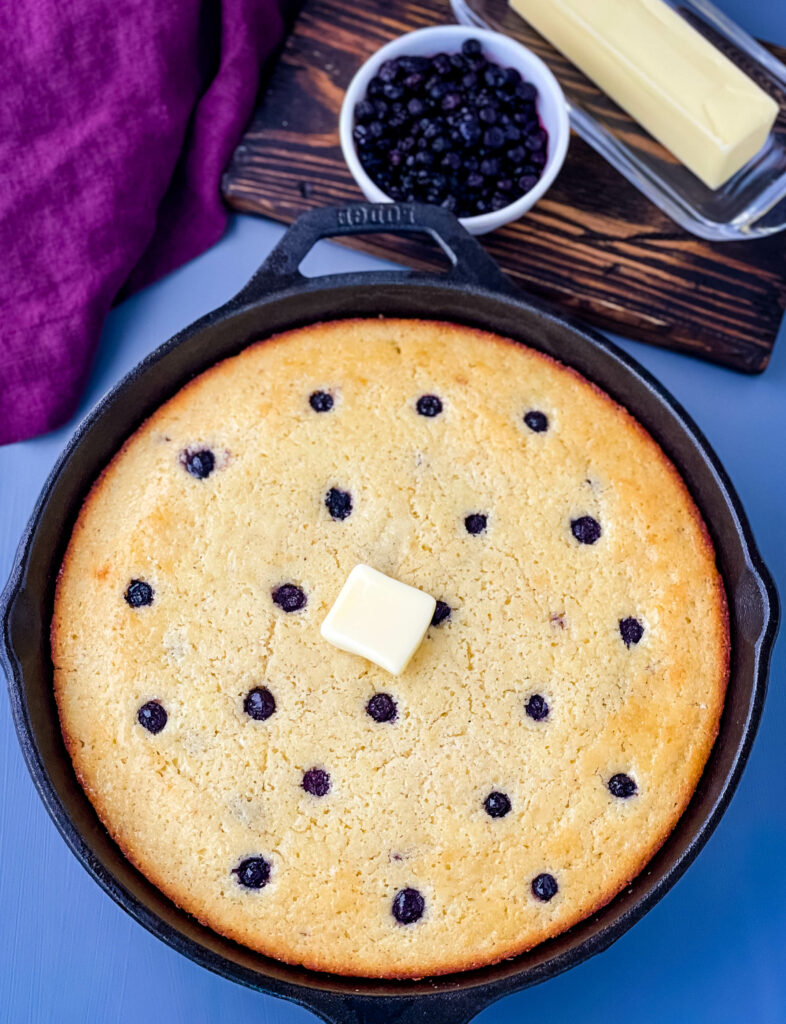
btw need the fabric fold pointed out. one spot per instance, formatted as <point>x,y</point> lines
<point>116,122</point>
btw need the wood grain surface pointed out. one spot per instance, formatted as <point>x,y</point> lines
<point>593,244</point>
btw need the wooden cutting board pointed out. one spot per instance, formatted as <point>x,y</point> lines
<point>593,244</point>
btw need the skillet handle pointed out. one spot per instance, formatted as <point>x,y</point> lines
<point>470,263</point>
<point>458,1007</point>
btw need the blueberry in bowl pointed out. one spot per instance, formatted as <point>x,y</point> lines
<point>457,130</point>
<point>465,119</point>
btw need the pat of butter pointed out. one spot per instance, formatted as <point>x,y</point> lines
<point>666,75</point>
<point>379,618</point>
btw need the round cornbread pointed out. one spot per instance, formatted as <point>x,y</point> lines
<point>542,742</point>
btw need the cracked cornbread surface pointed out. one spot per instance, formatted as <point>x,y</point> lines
<point>538,748</point>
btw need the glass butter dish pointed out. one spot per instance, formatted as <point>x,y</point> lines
<point>751,204</point>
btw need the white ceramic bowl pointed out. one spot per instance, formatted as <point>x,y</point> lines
<point>551,106</point>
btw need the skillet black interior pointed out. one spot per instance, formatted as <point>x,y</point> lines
<point>278,297</point>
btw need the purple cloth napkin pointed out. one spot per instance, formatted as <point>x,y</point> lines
<point>116,122</point>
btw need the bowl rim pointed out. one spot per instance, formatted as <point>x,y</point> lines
<point>559,132</point>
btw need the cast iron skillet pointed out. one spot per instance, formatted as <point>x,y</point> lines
<point>475,292</point>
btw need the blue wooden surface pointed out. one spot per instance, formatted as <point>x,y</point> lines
<point>712,951</point>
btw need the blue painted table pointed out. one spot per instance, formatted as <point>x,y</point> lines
<point>712,951</point>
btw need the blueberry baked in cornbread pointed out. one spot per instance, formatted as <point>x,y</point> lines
<point>526,762</point>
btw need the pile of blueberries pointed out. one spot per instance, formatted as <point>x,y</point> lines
<point>455,130</point>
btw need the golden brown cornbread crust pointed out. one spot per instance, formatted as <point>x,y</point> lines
<point>533,612</point>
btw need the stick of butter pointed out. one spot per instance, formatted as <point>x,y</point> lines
<point>666,75</point>
<point>379,618</point>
